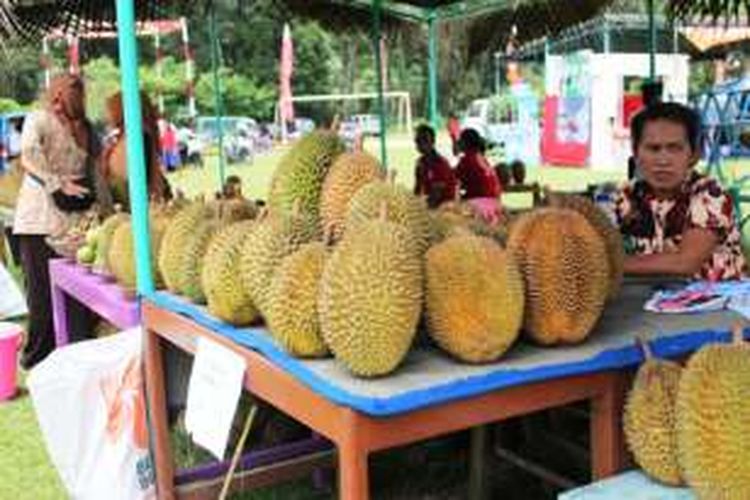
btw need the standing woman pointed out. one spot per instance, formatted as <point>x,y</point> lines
<point>114,157</point>
<point>58,155</point>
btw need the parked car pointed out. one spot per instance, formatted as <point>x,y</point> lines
<point>208,127</point>
<point>10,137</point>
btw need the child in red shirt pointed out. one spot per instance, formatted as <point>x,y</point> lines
<point>474,172</point>
<point>434,176</point>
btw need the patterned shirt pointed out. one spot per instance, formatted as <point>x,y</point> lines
<point>650,225</point>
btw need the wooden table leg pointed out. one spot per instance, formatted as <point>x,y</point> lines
<point>353,466</point>
<point>157,412</point>
<point>607,442</point>
<point>477,462</point>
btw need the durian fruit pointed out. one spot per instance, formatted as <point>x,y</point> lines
<point>104,240</point>
<point>650,418</point>
<point>563,260</point>
<point>176,237</point>
<point>292,311</point>
<point>348,174</point>
<point>713,420</point>
<point>191,249</point>
<point>609,232</point>
<point>220,278</point>
<point>474,297</point>
<point>451,215</point>
<point>402,207</point>
<point>371,297</point>
<point>300,173</point>
<point>272,239</point>
<point>121,257</point>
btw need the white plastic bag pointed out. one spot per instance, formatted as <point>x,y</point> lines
<point>12,302</point>
<point>90,402</point>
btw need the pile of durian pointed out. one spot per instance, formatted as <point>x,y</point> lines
<point>691,425</point>
<point>346,262</point>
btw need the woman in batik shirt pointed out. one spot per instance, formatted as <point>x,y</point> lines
<point>674,220</point>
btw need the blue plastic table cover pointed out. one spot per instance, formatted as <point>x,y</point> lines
<point>430,377</point>
<point>634,485</point>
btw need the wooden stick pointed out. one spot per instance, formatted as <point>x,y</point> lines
<point>642,342</point>
<point>238,452</point>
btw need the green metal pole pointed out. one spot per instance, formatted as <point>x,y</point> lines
<point>432,79</point>
<point>218,101</point>
<point>651,41</point>
<point>134,131</point>
<point>377,14</point>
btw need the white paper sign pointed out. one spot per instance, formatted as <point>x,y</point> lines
<point>213,393</point>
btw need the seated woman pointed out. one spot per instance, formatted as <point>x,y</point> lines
<point>434,176</point>
<point>475,175</point>
<point>114,157</point>
<point>674,220</point>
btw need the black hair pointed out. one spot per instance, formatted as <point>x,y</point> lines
<point>425,129</point>
<point>517,164</point>
<point>470,139</point>
<point>672,112</point>
<point>233,179</point>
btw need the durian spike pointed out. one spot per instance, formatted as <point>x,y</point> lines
<point>737,334</point>
<point>383,212</point>
<point>329,235</point>
<point>642,342</point>
<point>296,208</point>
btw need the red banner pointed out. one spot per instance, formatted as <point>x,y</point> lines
<point>554,151</point>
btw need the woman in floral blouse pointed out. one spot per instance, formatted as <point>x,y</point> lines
<point>674,220</point>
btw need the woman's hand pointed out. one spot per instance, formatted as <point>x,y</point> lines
<point>70,187</point>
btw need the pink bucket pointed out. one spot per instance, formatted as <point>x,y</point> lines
<point>10,340</point>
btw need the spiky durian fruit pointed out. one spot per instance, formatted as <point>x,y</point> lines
<point>348,174</point>
<point>220,279</point>
<point>458,214</point>
<point>272,239</point>
<point>300,173</point>
<point>609,232</point>
<point>371,297</point>
<point>650,418</point>
<point>474,297</point>
<point>292,312</point>
<point>402,207</point>
<point>713,420</point>
<point>176,237</point>
<point>121,256</point>
<point>104,240</point>
<point>565,267</point>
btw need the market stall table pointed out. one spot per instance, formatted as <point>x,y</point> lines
<point>102,295</point>
<point>430,394</point>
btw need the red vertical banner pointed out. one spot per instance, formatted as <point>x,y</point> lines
<point>286,67</point>
<point>73,55</point>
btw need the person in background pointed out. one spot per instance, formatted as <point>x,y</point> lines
<point>434,176</point>
<point>502,171</point>
<point>232,188</point>
<point>676,221</point>
<point>169,146</point>
<point>518,172</point>
<point>476,177</point>
<point>454,132</point>
<point>114,157</point>
<point>59,154</point>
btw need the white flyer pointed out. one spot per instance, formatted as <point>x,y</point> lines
<point>213,394</point>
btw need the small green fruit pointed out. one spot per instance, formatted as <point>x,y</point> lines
<point>86,255</point>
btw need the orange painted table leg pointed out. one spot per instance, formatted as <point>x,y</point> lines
<point>157,412</point>
<point>357,435</point>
